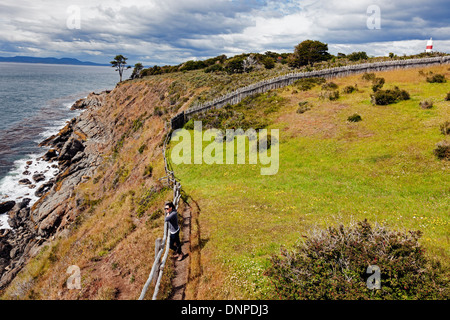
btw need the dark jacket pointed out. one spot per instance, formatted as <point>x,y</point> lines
<point>172,219</point>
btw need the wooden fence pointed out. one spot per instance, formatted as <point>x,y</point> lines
<point>282,81</point>
<point>159,264</point>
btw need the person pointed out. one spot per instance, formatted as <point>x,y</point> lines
<point>174,229</point>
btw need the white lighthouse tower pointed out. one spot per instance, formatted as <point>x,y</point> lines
<point>429,46</point>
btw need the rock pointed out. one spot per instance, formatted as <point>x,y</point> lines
<point>50,155</point>
<point>24,182</point>
<point>70,149</point>
<point>78,157</point>
<point>6,206</point>
<point>93,99</point>
<point>38,177</point>
<point>19,214</point>
<point>43,189</point>
<point>29,163</point>
<point>26,173</point>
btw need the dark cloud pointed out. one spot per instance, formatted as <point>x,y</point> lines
<point>171,31</point>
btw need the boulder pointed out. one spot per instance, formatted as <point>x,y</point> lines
<point>38,177</point>
<point>50,155</point>
<point>43,189</point>
<point>6,206</point>
<point>70,149</point>
<point>25,182</point>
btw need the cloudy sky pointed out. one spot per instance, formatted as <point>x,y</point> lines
<point>173,31</point>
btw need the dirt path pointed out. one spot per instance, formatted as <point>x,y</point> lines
<point>181,268</point>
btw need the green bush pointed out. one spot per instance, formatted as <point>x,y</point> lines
<point>377,84</point>
<point>368,76</point>
<point>356,56</point>
<point>308,83</point>
<point>354,118</point>
<point>442,150</point>
<point>189,125</point>
<point>214,68</point>
<point>330,86</point>
<point>436,78</point>
<point>303,106</point>
<point>332,264</point>
<point>385,97</point>
<point>148,171</point>
<point>330,95</point>
<point>350,89</point>
<point>426,104</point>
<point>268,63</point>
<point>445,128</point>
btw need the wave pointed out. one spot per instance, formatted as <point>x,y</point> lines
<point>20,156</point>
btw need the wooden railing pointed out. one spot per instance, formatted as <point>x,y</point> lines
<point>159,264</point>
<point>282,81</point>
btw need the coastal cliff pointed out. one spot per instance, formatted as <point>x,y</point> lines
<point>109,149</point>
<point>75,149</point>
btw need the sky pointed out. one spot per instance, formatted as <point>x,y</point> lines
<point>169,32</point>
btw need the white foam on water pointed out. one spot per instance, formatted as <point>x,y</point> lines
<point>4,222</point>
<point>10,189</point>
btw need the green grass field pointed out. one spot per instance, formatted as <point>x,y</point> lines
<point>331,171</point>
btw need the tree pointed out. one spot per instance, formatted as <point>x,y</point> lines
<point>308,52</point>
<point>355,56</point>
<point>119,63</point>
<point>138,67</point>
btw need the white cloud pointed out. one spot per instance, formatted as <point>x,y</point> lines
<point>171,31</point>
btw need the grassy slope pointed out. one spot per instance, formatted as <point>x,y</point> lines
<point>117,222</point>
<point>382,168</point>
<point>329,168</point>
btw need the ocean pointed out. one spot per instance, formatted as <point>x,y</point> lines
<point>35,101</point>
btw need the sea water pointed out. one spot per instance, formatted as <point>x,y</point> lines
<point>35,101</point>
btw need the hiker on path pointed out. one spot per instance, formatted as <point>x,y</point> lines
<point>174,229</point>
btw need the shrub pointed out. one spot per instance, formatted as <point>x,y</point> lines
<point>303,106</point>
<point>142,148</point>
<point>331,95</point>
<point>368,76</point>
<point>427,104</point>
<point>148,171</point>
<point>158,111</point>
<point>189,125</point>
<point>377,84</point>
<point>354,118</point>
<point>308,83</point>
<point>437,78</point>
<point>447,98</point>
<point>332,264</point>
<point>442,150</point>
<point>349,89</point>
<point>268,63</point>
<point>445,128</point>
<point>214,68</point>
<point>355,56</point>
<point>385,97</point>
<point>330,86</point>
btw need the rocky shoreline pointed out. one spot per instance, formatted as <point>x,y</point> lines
<point>74,153</point>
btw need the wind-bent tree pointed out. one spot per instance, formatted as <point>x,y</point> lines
<point>308,52</point>
<point>119,63</point>
<point>138,67</point>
